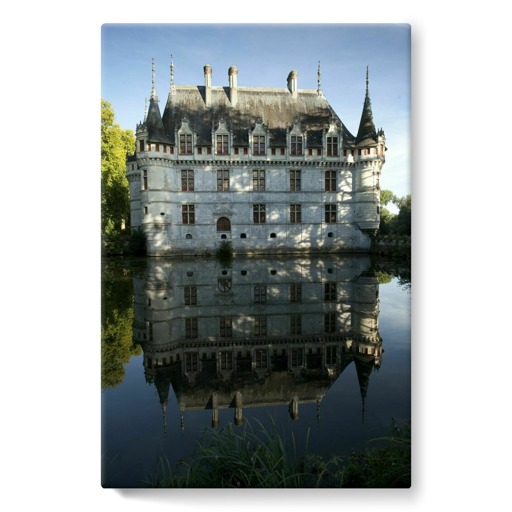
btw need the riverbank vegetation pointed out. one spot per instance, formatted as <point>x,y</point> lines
<point>116,145</point>
<point>261,458</point>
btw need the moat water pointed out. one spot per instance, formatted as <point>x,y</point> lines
<point>318,346</point>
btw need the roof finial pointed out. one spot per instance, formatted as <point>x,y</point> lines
<point>145,109</point>
<point>172,74</point>
<point>153,86</point>
<point>366,80</point>
<point>319,90</point>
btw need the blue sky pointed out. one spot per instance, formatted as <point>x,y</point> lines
<point>264,55</point>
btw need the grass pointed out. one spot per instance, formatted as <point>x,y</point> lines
<point>264,459</point>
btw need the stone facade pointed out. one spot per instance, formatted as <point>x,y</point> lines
<point>269,170</point>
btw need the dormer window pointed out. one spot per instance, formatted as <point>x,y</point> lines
<point>332,146</point>
<point>222,145</point>
<point>185,143</point>
<point>296,145</point>
<point>258,145</point>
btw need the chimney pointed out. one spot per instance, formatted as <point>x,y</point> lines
<point>292,83</point>
<point>233,85</point>
<point>208,85</point>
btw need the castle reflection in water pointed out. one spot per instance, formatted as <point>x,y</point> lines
<point>256,332</point>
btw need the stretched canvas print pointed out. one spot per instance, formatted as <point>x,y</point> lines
<point>256,227</point>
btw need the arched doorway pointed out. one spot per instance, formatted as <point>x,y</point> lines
<point>223,224</point>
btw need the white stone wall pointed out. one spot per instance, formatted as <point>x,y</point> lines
<point>356,198</point>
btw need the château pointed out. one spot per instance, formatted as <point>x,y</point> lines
<point>270,170</point>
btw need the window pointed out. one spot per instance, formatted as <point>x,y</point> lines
<point>145,210</point>
<point>190,295</point>
<point>296,145</point>
<point>260,326</point>
<point>329,322</point>
<point>330,213</point>
<point>226,360</point>
<point>295,181</point>
<point>258,180</point>
<point>187,181</point>
<point>260,293</point>
<point>258,145</point>
<point>296,324</point>
<point>141,145</point>
<point>332,146</point>
<point>191,328</point>
<point>226,327</point>
<point>222,144</point>
<point>258,211</point>
<point>188,214</point>
<point>295,292</point>
<point>330,291</point>
<point>297,357</point>
<point>330,355</point>
<point>223,224</point>
<point>295,213</point>
<point>185,143</point>
<point>144,180</point>
<point>330,181</point>
<point>222,180</point>
<point>191,362</point>
<point>261,358</point>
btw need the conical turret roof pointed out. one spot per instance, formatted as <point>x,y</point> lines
<point>367,132</point>
<point>153,121</point>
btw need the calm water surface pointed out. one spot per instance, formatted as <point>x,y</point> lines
<point>318,345</point>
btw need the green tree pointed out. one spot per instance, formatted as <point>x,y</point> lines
<point>117,346</point>
<point>116,144</point>
<point>395,224</point>
<point>402,221</point>
<point>387,196</point>
<point>386,217</point>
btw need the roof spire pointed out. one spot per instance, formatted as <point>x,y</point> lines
<point>367,93</point>
<point>172,75</point>
<point>319,90</point>
<point>154,97</point>
<point>366,130</point>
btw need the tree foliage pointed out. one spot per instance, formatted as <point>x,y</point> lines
<point>117,345</point>
<point>116,144</point>
<point>395,224</point>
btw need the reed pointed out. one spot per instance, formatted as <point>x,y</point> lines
<point>264,458</point>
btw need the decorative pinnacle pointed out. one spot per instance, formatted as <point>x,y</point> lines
<point>366,80</point>
<point>172,73</point>
<point>145,109</point>
<point>319,90</point>
<point>153,86</point>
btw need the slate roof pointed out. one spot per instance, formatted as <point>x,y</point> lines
<point>366,133</point>
<point>276,108</point>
